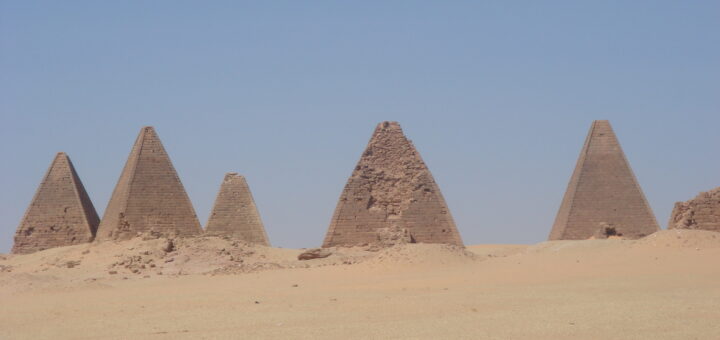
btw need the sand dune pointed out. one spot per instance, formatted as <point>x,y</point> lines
<point>664,286</point>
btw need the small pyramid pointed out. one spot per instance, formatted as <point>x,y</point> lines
<point>60,214</point>
<point>235,214</point>
<point>603,198</point>
<point>148,196</point>
<point>391,188</point>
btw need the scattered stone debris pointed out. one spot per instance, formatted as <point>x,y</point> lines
<point>317,253</point>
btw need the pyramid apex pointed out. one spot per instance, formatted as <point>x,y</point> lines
<point>233,175</point>
<point>388,125</point>
<point>61,155</point>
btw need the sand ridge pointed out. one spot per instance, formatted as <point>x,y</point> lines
<point>661,287</point>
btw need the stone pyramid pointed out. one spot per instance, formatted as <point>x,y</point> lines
<point>60,214</point>
<point>148,196</point>
<point>235,214</point>
<point>391,189</point>
<point>603,198</point>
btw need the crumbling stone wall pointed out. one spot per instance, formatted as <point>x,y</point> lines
<point>603,197</point>
<point>235,213</point>
<point>148,196</point>
<point>391,187</point>
<point>60,214</point>
<point>702,212</point>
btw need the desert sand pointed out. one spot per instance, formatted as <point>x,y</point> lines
<point>665,286</point>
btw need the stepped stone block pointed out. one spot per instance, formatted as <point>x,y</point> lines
<point>60,214</point>
<point>391,188</point>
<point>235,214</point>
<point>603,197</point>
<point>702,212</point>
<point>148,196</point>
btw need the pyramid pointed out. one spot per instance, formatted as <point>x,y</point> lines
<point>235,214</point>
<point>148,196</point>
<point>390,189</point>
<point>60,214</point>
<point>603,198</point>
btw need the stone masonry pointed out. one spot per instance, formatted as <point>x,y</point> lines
<point>235,214</point>
<point>603,197</point>
<point>60,214</point>
<point>703,212</point>
<point>148,196</point>
<point>391,188</point>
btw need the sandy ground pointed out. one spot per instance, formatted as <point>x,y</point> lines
<point>666,286</point>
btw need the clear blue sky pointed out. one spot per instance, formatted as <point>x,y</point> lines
<point>496,95</point>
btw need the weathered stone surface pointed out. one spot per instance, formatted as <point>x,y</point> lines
<point>603,197</point>
<point>702,212</point>
<point>317,253</point>
<point>235,214</point>
<point>391,187</point>
<point>60,214</point>
<point>148,196</point>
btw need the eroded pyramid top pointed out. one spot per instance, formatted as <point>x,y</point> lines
<point>603,197</point>
<point>149,195</point>
<point>60,213</point>
<point>391,189</point>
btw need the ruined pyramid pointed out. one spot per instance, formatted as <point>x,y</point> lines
<point>235,214</point>
<point>701,212</point>
<point>148,196</point>
<point>603,197</point>
<point>60,214</point>
<point>391,189</point>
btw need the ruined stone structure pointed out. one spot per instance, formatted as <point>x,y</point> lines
<point>603,198</point>
<point>60,214</point>
<point>148,196</point>
<point>391,188</point>
<point>702,212</point>
<point>235,214</point>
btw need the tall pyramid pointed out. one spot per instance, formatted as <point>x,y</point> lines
<point>603,198</point>
<point>235,214</point>
<point>148,195</point>
<point>60,214</point>
<point>391,188</point>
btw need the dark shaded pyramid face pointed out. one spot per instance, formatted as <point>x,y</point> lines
<point>391,188</point>
<point>235,214</point>
<point>148,196</point>
<point>60,214</point>
<point>603,198</point>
